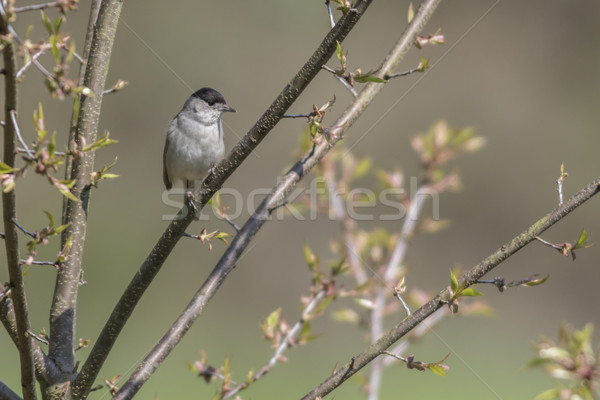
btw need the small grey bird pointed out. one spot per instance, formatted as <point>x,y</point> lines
<point>195,139</point>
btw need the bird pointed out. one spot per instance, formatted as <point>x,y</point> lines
<point>194,142</point>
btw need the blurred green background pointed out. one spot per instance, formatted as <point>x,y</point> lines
<point>523,74</point>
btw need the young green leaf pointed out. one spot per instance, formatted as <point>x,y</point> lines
<point>47,23</point>
<point>60,228</point>
<point>470,292</point>
<point>64,253</point>
<point>250,377</point>
<point>54,48</point>
<point>67,193</point>
<point>362,168</point>
<point>273,318</point>
<point>57,24</point>
<point>338,268</point>
<point>312,260</point>
<point>52,146</point>
<point>322,306</point>
<point>101,142</point>
<point>582,241</point>
<point>436,369</point>
<point>70,53</point>
<point>50,218</point>
<point>411,12</point>
<point>453,282</point>
<point>535,282</point>
<point>5,169</point>
<point>340,55</point>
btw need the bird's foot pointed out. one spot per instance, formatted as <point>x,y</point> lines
<point>190,201</point>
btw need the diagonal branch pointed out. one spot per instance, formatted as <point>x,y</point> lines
<point>9,212</point>
<point>262,214</point>
<point>6,393</point>
<point>392,336</point>
<point>210,186</point>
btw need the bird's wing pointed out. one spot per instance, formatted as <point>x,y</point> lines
<point>166,180</point>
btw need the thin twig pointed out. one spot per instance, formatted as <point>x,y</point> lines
<point>20,150</point>
<point>13,116</point>
<point>297,115</point>
<point>37,337</point>
<point>331,21</point>
<point>399,74</point>
<point>341,79</point>
<point>35,7</point>
<point>43,70</point>
<point>75,54</point>
<point>34,262</point>
<point>554,246</point>
<point>406,307</point>
<point>560,181</point>
<point>25,231</point>
<point>5,292</point>
<point>230,222</point>
<point>28,63</point>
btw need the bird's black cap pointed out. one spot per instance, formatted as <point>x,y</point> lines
<point>210,96</point>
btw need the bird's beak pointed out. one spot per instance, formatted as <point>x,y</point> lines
<point>225,108</point>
